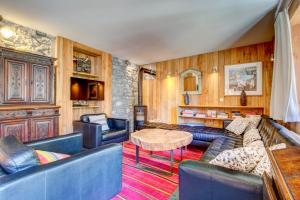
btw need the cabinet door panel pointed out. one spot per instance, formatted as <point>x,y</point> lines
<point>19,128</point>
<point>15,81</point>
<point>40,83</point>
<point>42,128</point>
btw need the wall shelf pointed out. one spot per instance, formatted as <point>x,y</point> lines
<point>83,74</point>
<point>215,121</point>
<point>205,118</point>
<point>84,107</point>
<point>221,106</point>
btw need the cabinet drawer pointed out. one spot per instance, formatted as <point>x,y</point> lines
<point>42,128</point>
<point>19,128</point>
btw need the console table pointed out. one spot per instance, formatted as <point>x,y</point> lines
<point>286,167</point>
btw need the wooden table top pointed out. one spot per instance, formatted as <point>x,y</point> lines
<point>286,166</point>
<point>161,139</point>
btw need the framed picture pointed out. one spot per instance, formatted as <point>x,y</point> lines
<point>93,91</point>
<point>246,76</point>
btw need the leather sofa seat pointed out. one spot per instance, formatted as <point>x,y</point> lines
<point>113,134</point>
<point>220,144</point>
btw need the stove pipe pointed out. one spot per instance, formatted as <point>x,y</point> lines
<point>140,111</point>
<point>140,83</point>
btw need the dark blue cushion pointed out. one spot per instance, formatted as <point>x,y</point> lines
<point>15,156</point>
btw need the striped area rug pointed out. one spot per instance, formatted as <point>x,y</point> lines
<point>154,180</point>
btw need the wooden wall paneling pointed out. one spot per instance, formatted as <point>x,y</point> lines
<point>106,76</point>
<point>296,53</point>
<point>64,70</point>
<point>101,67</point>
<point>167,89</point>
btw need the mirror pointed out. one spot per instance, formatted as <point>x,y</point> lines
<point>190,81</point>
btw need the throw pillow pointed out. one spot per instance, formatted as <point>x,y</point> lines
<point>253,122</point>
<point>15,156</point>
<point>99,119</point>
<point>238,125</point>
<point>242,159</point>
<point>46,157</point>
<point>265,165</point>
<point>251,136</point>
<point>257,143</point>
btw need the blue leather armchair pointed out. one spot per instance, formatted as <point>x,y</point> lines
<point>87,174</point>
<point>93,136</point>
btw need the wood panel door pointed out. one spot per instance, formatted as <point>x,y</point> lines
<point>40,85</point>
<point>18,128</point>
<point>42,128</point>
<point>15,86</point>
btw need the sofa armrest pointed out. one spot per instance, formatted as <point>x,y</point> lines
<point>92,133</point>
<point>210,182</point>
<point>91,174</point>
<point>67,144</point>
<point>119,124</point>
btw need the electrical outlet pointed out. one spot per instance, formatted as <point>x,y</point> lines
<point>221,99</point>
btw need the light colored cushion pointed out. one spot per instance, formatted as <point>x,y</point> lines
<point>46,157</point>
<point>265,165</point>
<point>99,119</point>
<point>238,125</point>
<point>251,136</point>
<point>253,122</point>
<point>242,159</point>
<point>257,143</point>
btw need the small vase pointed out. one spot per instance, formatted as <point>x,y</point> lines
<point>186,99</point>
<point>243,98</point>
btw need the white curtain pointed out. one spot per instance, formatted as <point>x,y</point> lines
<point>284,101</point>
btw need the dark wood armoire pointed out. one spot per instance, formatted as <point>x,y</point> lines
<point>27,95</point>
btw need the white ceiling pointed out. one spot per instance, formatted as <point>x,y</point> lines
<point>145,31</point>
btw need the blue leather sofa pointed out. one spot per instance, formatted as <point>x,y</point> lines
<point>93,136</point>
<point>201,180</point>
<point>88,174</point>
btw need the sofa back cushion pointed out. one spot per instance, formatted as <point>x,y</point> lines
<point>284,135</point>
<point>15,156</point>
<point>266,130</point>
<point>99,119</point>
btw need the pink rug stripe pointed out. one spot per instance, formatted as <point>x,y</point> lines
<point>141,184</point>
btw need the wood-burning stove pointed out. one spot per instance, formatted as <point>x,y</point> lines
<point>140,116</point>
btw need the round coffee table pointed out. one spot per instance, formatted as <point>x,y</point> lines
<point>160,140</point>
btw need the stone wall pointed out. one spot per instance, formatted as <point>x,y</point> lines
<point>124,89</point>
<point>27,39</point>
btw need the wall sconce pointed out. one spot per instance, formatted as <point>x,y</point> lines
<point>6,32</point>
<point>272,57</point>
<point>169,75</point>
<point>215,69</point>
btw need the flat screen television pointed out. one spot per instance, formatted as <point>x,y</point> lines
<point>85,89</point>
